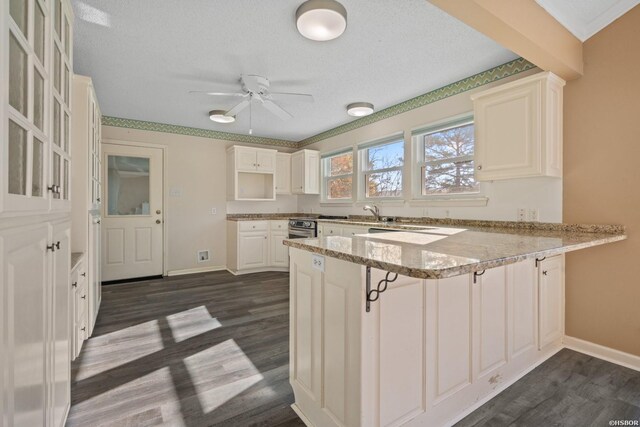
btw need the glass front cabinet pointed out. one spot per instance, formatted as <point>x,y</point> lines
<point>36,121</point>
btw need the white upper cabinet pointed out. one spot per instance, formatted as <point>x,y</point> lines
<point>251,173</point>
<point>518,129</point>
<point>305,172</point>
<point>255,159</point>
<point>283,173</point>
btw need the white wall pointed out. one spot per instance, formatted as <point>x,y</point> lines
<point>196,167</point>
<point>505,197</point>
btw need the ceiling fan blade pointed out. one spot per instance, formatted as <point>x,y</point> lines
<point>302,97</point>
<point>276,109</point>
<point>220,93</point>
<point>241,106</point>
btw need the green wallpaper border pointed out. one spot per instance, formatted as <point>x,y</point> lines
<point>505,70</point>
<point>184,130</point>
<point>510,68</point>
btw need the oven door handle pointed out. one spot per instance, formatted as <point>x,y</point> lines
<point>304,234</point>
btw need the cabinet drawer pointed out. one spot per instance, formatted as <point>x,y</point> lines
<point>280,225</point>
<point>254,225</point>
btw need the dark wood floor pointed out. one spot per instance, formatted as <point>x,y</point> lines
<point>198,350</point>
<point>212,349</point>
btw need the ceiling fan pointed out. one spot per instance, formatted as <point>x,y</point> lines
<point>255,88</point>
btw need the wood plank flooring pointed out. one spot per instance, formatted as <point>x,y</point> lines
<point>199,350</point>
<point>212,349</point>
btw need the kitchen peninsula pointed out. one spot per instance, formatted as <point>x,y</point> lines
<point>420,322</point>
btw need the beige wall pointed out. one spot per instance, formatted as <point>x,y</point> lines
<point>505,197</point>
<point>601,185</point>
<point>197,167</point>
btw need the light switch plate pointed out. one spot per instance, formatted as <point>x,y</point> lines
<point>214,211</point>
<point>318,262</point>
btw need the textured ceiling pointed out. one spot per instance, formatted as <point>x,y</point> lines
<point>146,55</point>
<point>584,18</point>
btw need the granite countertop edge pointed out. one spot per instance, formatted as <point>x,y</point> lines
<point>442,273</point>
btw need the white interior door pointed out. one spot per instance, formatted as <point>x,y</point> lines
<point>132,227</point>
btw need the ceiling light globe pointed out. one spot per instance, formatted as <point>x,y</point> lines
<point>359,109</point>
<point>321,20</point>
<point>220,116</point>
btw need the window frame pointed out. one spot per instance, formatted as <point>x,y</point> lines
<point>362,172</point>
<point>326,177</point>
<point>419,163</point>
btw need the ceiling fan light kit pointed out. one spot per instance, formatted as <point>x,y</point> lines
<point>359,109</point>
<point>321,20</point>
<point>221,116</point>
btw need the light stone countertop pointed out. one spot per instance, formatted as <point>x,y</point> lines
<point>446,251</point>
<point>266,216</point>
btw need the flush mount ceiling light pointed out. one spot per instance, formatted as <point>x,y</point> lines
<point>359,109</point>
<point>221,116</point>
<point>321,20</point>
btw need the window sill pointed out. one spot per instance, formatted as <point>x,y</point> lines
<point>383,202</point>
<point>453,202</point>
<point>337,204</point>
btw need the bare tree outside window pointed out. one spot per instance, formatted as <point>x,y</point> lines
<point>338,176</point>
<point>383,170</point>
<point>448,166</point>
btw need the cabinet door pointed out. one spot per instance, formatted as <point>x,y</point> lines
<point>551,303</point>
<point>253,250</point>
<point>283,173</point>
<point>279,253</point>
<point>297,173</point>
<point>94,288</point>
<point>508,133</point>
<point>246,159</point>
<point>312,173</point>
<point>331,230</point>
<point>352,231</point>
<point>61,346</point>
<point>266,160</point>
<point>23,310</point>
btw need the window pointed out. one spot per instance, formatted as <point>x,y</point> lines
<point>337,176</point>
<point>445,159</point>
<point>381,170</point>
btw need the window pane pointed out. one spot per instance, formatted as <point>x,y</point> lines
<point>450,177</point>
<point>38,168</point>
<point>66,132</point>
<point>39,40</point>
<point>56,123</point>
<point>19,13</point>
<point>67,41</point>
<point>57,16</point>
<point>38,99</point>
<point>128,185</point>
<point>56,173</point>
<point>341,165</point>
<point>17,159</point>
<point>57,70</point>
<point>17,76</point>
<point>384,184</point>
<point>339,188</point>
<point>66,85</point>
<point>385,156</point>
<point>66,179</point>
<point>449,143</point>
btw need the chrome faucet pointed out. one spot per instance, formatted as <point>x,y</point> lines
<point>374,210</point>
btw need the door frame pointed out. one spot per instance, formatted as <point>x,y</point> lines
<point>165,191</point>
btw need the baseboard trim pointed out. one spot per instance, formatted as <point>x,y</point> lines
<point>601,352</point>
<point>258,270</point>
<point>196,270</point>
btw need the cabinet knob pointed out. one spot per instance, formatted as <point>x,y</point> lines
<point>544,272</point>
<point>74,285</point>
<point>479,167</point>
<point>158,221</point>
<point>84,274</point>
<point>265,237</point>
<point>98,221</point>
<point>98,199</point>
<point>83,297</point>
<point>51,247</point>
<point>83,328</point>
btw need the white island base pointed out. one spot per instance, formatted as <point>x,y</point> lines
<point>429,351</point>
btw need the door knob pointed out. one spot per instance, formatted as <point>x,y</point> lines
<point>158,221</point>
<point>158,212</point>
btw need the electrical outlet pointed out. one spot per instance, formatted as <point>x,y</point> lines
<point>214,211</point>
<point>533,215</point>
<point>317,262</point>
<point>522,214</point>
<point>203,255</point>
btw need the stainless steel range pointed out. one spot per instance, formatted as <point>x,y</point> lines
<point>307,227</point>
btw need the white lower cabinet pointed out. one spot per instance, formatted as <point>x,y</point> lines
<point>80,305</point>
<point>428,350</point>
<point>253,249</point>
<point>328,229</point>
<point>254,246</point>
<point>35,339</point>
